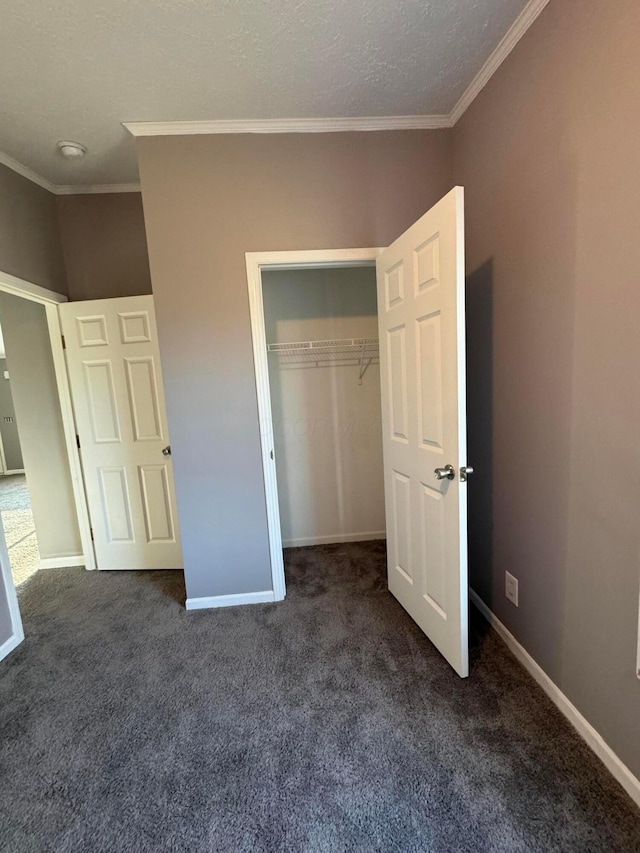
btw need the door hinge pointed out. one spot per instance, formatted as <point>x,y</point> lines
<point>78,441</point>
<point>92,539</point>
<point>64,343</point>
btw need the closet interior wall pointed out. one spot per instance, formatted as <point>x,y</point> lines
<point>326,415</point>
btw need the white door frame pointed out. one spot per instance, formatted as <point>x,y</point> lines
<point>3,460</point>
<point>256,262</point>
<point>17,631</point>
<point>50,299</point>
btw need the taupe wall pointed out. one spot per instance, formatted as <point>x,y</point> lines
<point>105,246</point>
<point>207,201</point>
<point>550,160</point>
<point>29,239</point>
<point>35,397</point>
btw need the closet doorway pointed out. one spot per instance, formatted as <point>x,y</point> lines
<point>321,330</point>
<point>298,302</point>
<point>259,264</point>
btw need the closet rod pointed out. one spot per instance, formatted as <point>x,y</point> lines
<point>359,352</point>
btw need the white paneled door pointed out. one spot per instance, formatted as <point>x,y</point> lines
<point>118,400</point>
<point>422,355</point>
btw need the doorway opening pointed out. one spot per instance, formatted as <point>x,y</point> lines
<point>315,334</point>
<point>48,446</point>
<point>324,376</point>
<point>37,504</point>
<point>16,514</point>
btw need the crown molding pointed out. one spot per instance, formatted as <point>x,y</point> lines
<point>93,189</point>
<point>510,39</point>
<point>286,125</point>
<point>305,125</point>
<point>26,172</point>
<point>68,189</point>
<point>516,31</point>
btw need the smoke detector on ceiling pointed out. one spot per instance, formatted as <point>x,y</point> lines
<point>72,150</point>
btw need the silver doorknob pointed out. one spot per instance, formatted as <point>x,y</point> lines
<point>465,470</point>
<point>446,473</point>
<point>166,451</point>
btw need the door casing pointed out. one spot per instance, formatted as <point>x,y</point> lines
<point>50,300</point>
<point>256,262</point>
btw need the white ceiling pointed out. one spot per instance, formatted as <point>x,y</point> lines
<point>72,69</point>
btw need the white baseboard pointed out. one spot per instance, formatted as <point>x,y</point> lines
<point>334,539</point>
<point>595,741</point>
<point>61,562</point>
<point>13,471</point>
<point>230,600</point>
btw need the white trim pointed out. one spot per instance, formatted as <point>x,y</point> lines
<point>12,470</point>
<point>19,287</point>
<point>516,31</point>
<point>511,38</point>
<point>17,631</point>
<point>3,458</point>
<point>61,562</point>
<point>26,172</point>
<point>594,740</point>
<point>92,189</point>
<point>280,260</point>
<point>69,428</point>
<point>261,368</point>
<point>304,125</point>
<point>334,539</point>
<point>287,125</point>
<point>230,600</point>
<point>50,299</point>
<point>10,644</point>
<point>64,189</point>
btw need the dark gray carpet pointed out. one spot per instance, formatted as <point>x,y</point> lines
<point>325,723</point>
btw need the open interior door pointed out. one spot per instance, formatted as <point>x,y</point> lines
<point>11,633</point>
<point>422,367</point>
<point>113,361</point>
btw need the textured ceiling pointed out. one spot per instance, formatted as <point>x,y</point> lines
<point>76,69</point>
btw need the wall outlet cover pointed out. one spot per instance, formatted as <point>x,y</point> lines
<point>511,588</point>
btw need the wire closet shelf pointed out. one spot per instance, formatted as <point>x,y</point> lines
<point>343,352</point>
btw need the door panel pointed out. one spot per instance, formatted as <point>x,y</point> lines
<point>143,399</point>
<point>156,502</point>
<point>118,399</point>
<point>401,485</point>
<point>398,383</point>
<point>429,371</point>
<point>101,401</point>
<point>421,316</point>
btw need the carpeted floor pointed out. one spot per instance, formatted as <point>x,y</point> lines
<point>325,723</point>
<point>19,529</point>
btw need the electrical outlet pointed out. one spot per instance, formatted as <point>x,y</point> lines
<point>511,588</point>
